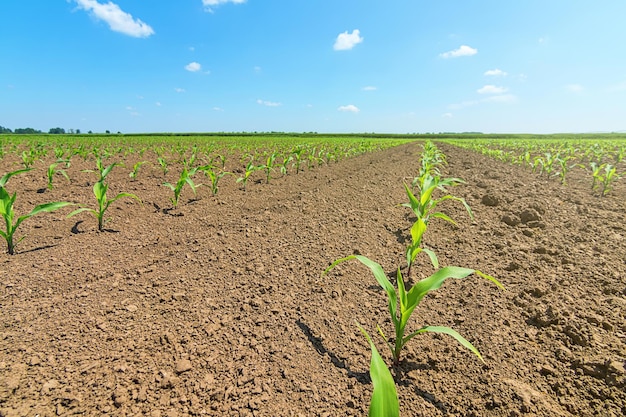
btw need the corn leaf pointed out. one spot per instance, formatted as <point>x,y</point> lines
<point>446,330</point>
<point>384,401</point>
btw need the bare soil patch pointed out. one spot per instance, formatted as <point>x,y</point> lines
<point>219,307</point>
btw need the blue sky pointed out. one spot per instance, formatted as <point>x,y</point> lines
<point>318,65</point>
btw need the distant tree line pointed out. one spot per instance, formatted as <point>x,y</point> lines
<point>31,131</point>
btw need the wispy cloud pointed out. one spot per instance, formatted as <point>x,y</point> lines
<point>351,108</point>
<point>193,67</point>
<point>463,50</point>
<point>495,73</point>
<point>117,19</point>
<point>447,115</point>
<point>210,4</point>
<point>218,109</point>
<point>574,88</point>
<point>369,88</point>
<point>491,89</point>
<point>268,103</point>
<point>158,104</point>
<point>347,40</point>
<point>179,90</point>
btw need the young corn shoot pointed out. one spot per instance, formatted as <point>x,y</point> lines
<point>402,303</point>
<point>184,178</point>
<point>608,179</point>
<point>100,189</point>
<point>133,174</point>
<point>8,214</point>
<point>52,171</point>
<point>250,168</point>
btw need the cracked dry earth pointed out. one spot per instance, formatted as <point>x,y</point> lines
<point>219,307</point>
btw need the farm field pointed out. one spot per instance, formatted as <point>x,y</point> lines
<point>219,306</point>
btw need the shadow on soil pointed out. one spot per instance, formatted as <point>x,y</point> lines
<point>400,378</point>
<point>362,377</point>
<point>36,249</point>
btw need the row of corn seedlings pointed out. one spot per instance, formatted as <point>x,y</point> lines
<point>402,302</point>
<point>602,161</point>
<point>192,159</point>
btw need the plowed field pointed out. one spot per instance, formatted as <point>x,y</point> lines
<point>219,308</point>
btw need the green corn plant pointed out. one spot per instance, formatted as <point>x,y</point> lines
<point>402,303</point>
<point>163,164</point>
<point>250,168</point>
<point>285,163</point>
<point>52,171</point>
<point>8,214</point>
<point>100,189</point>
<point>384,401</point>
<point>596,174</point>
<point>101,170</point>
<point>608,179</point>
<point>28,158</point>
<point>268,167</point>
<point>222,159</point>
<point>184,178</point>
<point>297,157</point>
<point>214,177</point>
<point>133,174</point>
<point>424,209</point>
<point>562,161</point>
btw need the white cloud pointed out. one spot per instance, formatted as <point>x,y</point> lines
<point>491,89</point>
<point>369,88</point>
<point>268,103</point>
<point>574,88</point>
<point>158,104</point>
<point>495,73</point>
<point>447,115</point>
<point>349,108</point>
<point>210,4</point>
<point>117,19</point>
<point>179,90</point>
<point>218,109</point>
<point>463,50</point>
<point>347,40</point>
<point>193,67</point>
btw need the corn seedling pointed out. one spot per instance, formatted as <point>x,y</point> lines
<point>596,173</point>
<point>163,164</point>
<point>8,214</point>
<point>100,189</point>
<point>28,158</point>
<point>283,166</point>
<point>135,171</point>
<point>101,170</point>
<point>297,157</point>
<point>384,401</point>
<point>52,171</point>
<point>608,179</point>
<point>250,168</point>
<point>402,303</point>
<point>184,178</point>
<point>214,177</point>
<point>268,167</point>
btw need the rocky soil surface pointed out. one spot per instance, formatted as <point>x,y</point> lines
<point>220,308</point>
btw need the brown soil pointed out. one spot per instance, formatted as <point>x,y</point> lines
<point>219,307</point>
